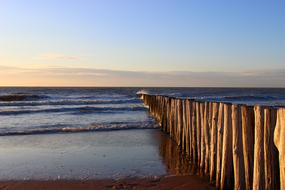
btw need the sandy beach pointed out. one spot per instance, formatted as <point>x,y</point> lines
<point>87,161</point>
<point>170,183</point>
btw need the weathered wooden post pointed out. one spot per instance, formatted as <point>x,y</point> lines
<point>248,143</point>
<point>188,118</point>
<point>220,134</point>
<point>177,127</point>
<point>194,136</point>
<point>198,127</point>
<point>258,166</point>
<point>270,151</point>
<point>209,130</point>
<point>237,148</point>
<point>173,118</point>
<point>230,142</point>
<point>183,128</point>
<point>206,128</point>
<point>203,146</point>
<point>227,161</point>
<point>170,119</point>
<point>213,142</point>
<point>168,115</point>
<point>180,122</point>
<point>279,141</point>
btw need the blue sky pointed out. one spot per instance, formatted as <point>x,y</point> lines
<point>205,37</point>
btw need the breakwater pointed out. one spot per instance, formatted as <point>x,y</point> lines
<point>237,146</point>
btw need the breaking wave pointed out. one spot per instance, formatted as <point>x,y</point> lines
<point>72,129</point>
<point>74,110</point>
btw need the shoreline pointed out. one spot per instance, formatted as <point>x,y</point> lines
<point>153,183</point>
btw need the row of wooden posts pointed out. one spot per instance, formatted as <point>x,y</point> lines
<point>237,146</point>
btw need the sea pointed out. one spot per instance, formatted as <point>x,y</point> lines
<point>87,133</point>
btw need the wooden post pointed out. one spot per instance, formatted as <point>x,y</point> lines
<point>163,113</point>
<point>180,122</point>
<point>208,132</point>
<point>279,141</point>
<point>203,147</point>
<point>220,132</point>
<point>258,167</point>
<point>206,128</point>
<point>198,127</point>
<point>174,120</point>
<point>270,151</point>
<point>171,118</point>
<point>169,115</point>
<point>237,148</point>
<point>213,142</point>
<point>194,137</point>
<point>183,125</point>
<point>188,118</point>
<point>227,161</point>
<point>248,143</point>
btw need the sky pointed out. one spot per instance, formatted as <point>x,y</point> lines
<point>199,43</point>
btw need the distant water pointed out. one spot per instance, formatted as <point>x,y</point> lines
<point>59,110</point>
<point>249,96</point>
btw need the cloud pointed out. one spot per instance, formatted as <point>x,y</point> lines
<point>58,57</point>
<point>103,77</point>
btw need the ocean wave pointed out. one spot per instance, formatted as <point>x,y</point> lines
<point>20,97</point>
<point>76,110</point>
<point>249,98</point>
<point>70,102</point>
<point>240,98</point>
<point>142,92</point>
<point>112,126</point>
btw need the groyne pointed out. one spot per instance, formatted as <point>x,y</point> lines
<point>236,146</point>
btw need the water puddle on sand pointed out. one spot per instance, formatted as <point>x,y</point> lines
<point>91,155</point>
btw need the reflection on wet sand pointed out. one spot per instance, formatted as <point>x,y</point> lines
<point>176,162</point>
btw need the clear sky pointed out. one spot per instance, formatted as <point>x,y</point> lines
<point>142,43</point>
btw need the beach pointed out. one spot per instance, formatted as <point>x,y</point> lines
<point>134,159</point>
<point>93,155</point>
<point>99,138</point>
<point>138,95</point>
<point>188,182</point>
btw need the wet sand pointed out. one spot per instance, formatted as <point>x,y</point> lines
<point>168,183</point>
<point>95,161</point>
<point>83,156</point>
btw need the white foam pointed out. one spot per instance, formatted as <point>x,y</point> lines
<point>142,92</point>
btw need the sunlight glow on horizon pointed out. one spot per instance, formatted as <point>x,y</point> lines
<point>126,37</point>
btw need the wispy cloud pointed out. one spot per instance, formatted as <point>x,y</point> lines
<point>57,57</point>
<point>100,77</point>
